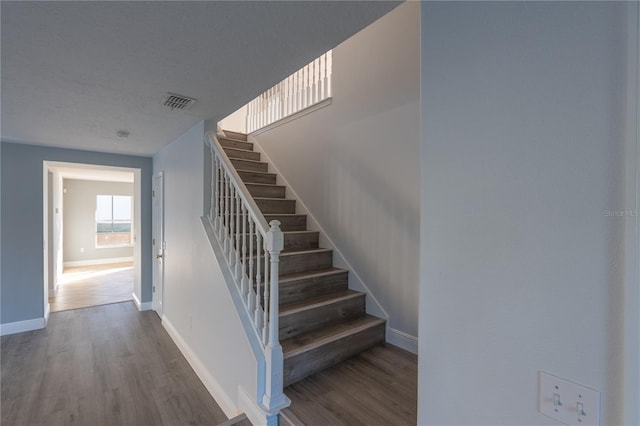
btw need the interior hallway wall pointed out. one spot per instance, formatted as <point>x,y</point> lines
<point>198,308</point>
<point>522,155</point>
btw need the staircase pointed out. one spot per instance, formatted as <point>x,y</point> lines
<point>321,321</point>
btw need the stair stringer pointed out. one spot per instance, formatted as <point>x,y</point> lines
<point>373,306</point>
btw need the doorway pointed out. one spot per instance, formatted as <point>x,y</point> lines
<point>90,235</point>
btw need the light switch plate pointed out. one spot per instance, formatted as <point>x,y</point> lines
<point>568,402</point>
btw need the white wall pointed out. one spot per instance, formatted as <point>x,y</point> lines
<point>80,220</point>
<point>355,164</point>
<point>197,304</point>
<point>236,121</point>
<point>522,152</point>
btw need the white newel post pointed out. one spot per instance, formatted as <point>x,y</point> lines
<point>274,397</point>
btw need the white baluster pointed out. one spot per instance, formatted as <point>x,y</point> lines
<point>231,225</point>
<point>248,117</point>
<point>243,284</point>
<point>219,200</point>
<point>212,192</point>
<point>251,296</point>
<point>226,212</point>
<point>290,99</point>
<point>263,116</point>
<point>298,91</point>
<point>329,72</point>
<point>265,304</point>
<point>237,230</point>
<point>256,319</point>
<point>285,103</point>
<point>273,395</point>
<point>280,100</point>
<point>216,193</point>
<point>316,67</point>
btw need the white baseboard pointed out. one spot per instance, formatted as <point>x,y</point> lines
<point>146,306</point>
<point>22,326</point>
<point>224,401</point>
<point>402,340</point>
<point>90,262</point>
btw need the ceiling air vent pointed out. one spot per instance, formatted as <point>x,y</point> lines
<point>181,102</point>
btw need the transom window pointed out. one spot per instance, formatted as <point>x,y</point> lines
<point>113,220</point>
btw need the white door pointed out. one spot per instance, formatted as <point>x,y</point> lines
<point>158,241</point>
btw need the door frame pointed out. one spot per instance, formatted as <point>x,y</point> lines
<point>631,297</point>
<point>158,243</point>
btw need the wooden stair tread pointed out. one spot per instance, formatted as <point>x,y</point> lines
<point>299,252</point>
<point>308,341</point>
<point>264,184</point>
<point>313,302</point>
<point>226,148</point>
<point>310,274</point>
<point>249,160</point>
<point>236,135</point>
<point>272,199</point>
<point>257,172</point>
<point>227,138</point>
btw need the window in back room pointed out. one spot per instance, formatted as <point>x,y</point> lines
<point>113,220</point>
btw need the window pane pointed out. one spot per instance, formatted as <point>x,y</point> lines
<point>103,208</point>
<point>121,207</point>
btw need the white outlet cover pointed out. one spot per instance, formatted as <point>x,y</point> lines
<point>572,397</point>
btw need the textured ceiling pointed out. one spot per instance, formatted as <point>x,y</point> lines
<point>75,72</point>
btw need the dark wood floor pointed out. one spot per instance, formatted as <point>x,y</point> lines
<point>376,388</point>
<point>105,365</point>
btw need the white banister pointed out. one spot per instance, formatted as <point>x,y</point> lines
<point>237,221</point>
<point>304,88</point>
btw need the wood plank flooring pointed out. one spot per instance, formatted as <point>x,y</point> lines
<point>93,285</point>
<point>376,388</point>
<point>105,365</point>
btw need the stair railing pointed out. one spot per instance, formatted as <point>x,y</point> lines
<point>302,89</point>
<point>251,248</point>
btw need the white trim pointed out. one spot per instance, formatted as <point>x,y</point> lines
<point>294,116</point>
<point>146,306</point>
<point>402,340</point>
<point>90,262</point>
<point>22,326</point>
<point>157,302</point>
<point>47,311</point>
<point>222,399</point>
<point>631,299</point>
<point>340,260</point>
<point>255,413</point>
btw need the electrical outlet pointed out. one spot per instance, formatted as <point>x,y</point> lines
<point>568,402</point>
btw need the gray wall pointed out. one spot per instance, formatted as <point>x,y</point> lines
<point>80,220</point>
<point>522,153</point>
<point>355,164</point>
<point>22,279</point>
